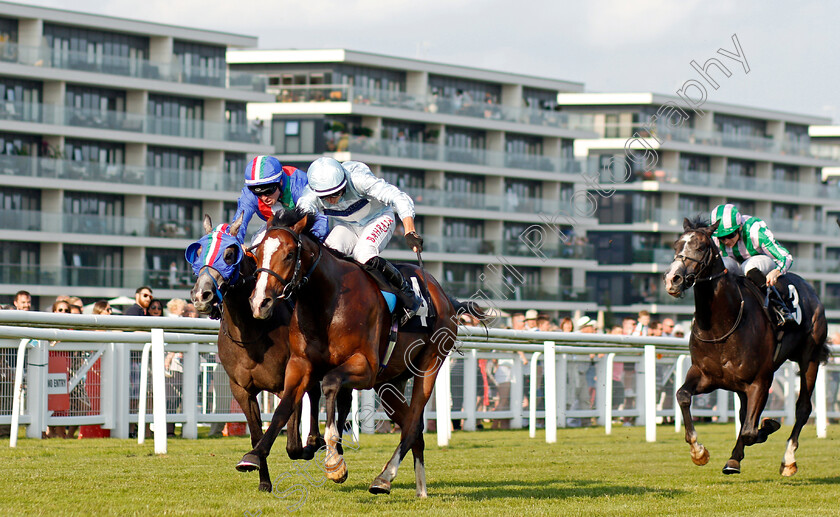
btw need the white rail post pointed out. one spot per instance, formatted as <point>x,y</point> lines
<point>190,392</point>
<point>790,394</point>
<point>108,386</point>
<point>550,366</point>
<point>122,389</point>
<point>736,404</point>
<point>36,380</point>
<point>821,419</point>
<point>141,398</point>
<point>470,385</point>
<point>305,418</point>
<point>532,402</point>
<point>159,392</point>
<point>650,393</point>
<point>608,392</point>
<point>21,356</point>
<point>561,390</point>
<point>679,378</point>
<point>368,401</point>
<point>442,404</point>
<point>354,413</point>
<point>517,392</point>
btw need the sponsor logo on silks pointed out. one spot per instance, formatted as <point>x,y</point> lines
<point>380,229</point>
<point>209,251</point>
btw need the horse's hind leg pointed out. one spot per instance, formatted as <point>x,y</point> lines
<point>699,454</point>
<point>249,406</point>
<point>803,411</point>
<point>396,407</point>
<point>314,441</point>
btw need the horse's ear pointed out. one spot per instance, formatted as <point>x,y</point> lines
<point>687,226</point>
<point>234,226</point>
<point>208,224</point>
<point>233,254</point>
<point>300,226</point>
<point>714,226</point>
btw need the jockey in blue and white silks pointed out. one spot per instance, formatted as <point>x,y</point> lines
<point>361,209</point>
<point>270,187</point>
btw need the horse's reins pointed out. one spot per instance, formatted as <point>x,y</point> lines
<point>294,283</point>
<point>708,258</point>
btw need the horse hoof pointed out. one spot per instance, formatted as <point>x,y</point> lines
<point>770,426</point>
<point>380,486</point>
<point>248,463</point>
<point>702,458</point>
<point>265,486</point>
<point>308,453</point>
<point>338,473</point>
<point>788,470</point>
<point>732,467</point>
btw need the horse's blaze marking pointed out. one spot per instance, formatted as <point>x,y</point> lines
<point>269,247</point>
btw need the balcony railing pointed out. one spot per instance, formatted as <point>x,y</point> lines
<point>809,265</point>
<point>253,132</point>
<point>483,157</point>
<point>518,292</point>
<point>82,276</point>
<point>653,256</point>
<point>725,181</point>
<point>50,168</point>
<point>784,146</point>
<point>432,104</point>
<point>30,220</point>
<point>99,62</point>
<point>475,246</point>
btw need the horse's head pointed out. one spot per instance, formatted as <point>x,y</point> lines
<point>278,257</point>
<point>694,252</point>
<point>215,260</point>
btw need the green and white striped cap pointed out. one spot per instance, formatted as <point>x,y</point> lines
<point>728,216</point>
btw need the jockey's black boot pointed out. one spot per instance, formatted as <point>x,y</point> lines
<point>780,306</point>
<point>410,302</point>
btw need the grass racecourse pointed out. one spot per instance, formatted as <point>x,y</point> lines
<point>484,473</point>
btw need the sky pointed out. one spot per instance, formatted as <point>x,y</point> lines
<point>791,48</point>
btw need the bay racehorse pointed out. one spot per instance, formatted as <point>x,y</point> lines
<point>253,352</point>
<point>734,346</point>
<point>339,332</point>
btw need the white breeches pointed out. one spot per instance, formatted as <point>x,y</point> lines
<point>362,242</point>
<point>761,262</point>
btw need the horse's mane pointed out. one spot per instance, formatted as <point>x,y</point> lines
<point>698,222</point>
<point>289,218</point>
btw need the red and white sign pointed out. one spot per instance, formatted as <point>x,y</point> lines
<point>58,396</point>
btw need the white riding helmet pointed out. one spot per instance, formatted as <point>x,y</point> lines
<point>326,176</point>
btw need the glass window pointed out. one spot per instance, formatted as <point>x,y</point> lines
<point>740,126</point>
<point>466,138</point>
<point>19,145</point>
<point>234,171</point>
<point>464,183</point>
<point>13,199</point>
<point>19,263</point>
<point>785,172</point>
<point>741,168</point>
<point>89,203</point>
<point>20,100</point>
<point>363,77</point>
<point>100,266</point>
<point>695,162</point>
<point>405,179</point>
<point>8,31</point>
<point>167,269</point>
<point>466,93</point>
<point>177,116</point>
<point>97,50</point>
<point>200,63</point>
<point>539,99</point>
<point>112,153</point>
<point>689,205</point>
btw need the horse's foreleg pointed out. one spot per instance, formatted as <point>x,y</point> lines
<point>345,405</point>
<point>297,378</point>
<point>733,466</point>
<point>803,412</point>
<point>314,441</point>
<point>699,454</point>
<point>356,371</point>
<point>394,403</point>
<point>251,408</point>
<point>294,447</point>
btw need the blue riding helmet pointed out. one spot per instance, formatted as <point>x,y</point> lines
<point>210,251</point>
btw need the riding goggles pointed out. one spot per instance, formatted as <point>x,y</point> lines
<point>263,190</point>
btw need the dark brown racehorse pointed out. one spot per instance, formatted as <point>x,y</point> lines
<point>253,352</point>
<point>339,332</point>
<point>733,344</point>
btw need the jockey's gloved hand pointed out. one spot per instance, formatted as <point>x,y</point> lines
<point>414,241</point>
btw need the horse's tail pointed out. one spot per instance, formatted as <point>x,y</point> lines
<point>820,334</point>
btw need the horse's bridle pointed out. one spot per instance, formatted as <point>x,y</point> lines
<point>296,281</point>
<point>704,263</point>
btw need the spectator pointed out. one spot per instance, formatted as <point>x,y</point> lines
<point>543,323</point>
<point>93,383</point>
<point>668,327</point>
<point>155,308</point>
<point>642,327</point>
<point>189,311</point>
<point>176,307</point>
<point>517,321</point>
<point>531,320</point>
<point>655,329</point>
<point>586,325</point>
<point>173,275</point>
<point>60,306</point>
<point>76,305</point>
<point>627,326</point>
<point>679,331</point>
<point>142,298</point>
<point>23,301</point>
<point>567,325</point>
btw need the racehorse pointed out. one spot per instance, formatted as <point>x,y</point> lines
<point>253,352</point>
<point>733,343</point>
<point>340,332</point>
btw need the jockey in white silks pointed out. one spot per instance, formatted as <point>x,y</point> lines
<point>361,208</point>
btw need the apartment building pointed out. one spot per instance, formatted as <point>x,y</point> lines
<point>486,155</point>
<point>763,161</point>
<point>510,174</point>
<point>116,136</point>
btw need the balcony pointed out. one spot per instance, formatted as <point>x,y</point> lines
<point>80,276</point>
<point>653,256</point>
<point>515,247</point>
<point>809,265</point>
<point>518,292</point>
<point>253,132</point>
<point>729,182</point>
<point>433,104</point>
<point>481,157</point>
<point>98,62</point>
<point>785,146</point>
<point>658,216</point>
<point>35,221</point>
<point>49,168</point>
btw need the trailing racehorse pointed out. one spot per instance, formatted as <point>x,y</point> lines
<point>253,352</point>
<point>734,345</point>
<point>340,331</point>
